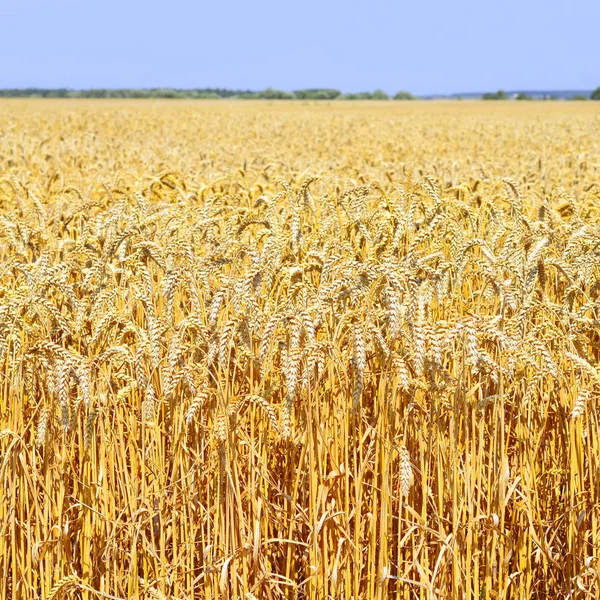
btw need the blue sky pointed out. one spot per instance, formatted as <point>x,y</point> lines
<point>428,46</point>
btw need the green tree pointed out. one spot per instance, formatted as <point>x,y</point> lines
<point>595,94</point>
<point>499,95</point>
<point>96,93</point>
<point>271,94</point>
<point>380,95</point>
<point>358,96</point>
<point>138,94</point>
<point>166,93</point>
<point>523,96</point>
<point>579,97</point>
<point>402,95</point>
<point>317,94</point>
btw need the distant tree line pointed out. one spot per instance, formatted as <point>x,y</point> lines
<point>499,95</point>
<point>201,93</point>
<point>502,95</point>
<point>217,93</point>
<point>123,93</point>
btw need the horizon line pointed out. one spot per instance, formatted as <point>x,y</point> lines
<point>235,91</point>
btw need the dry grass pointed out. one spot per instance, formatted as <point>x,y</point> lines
<point>299,351</point>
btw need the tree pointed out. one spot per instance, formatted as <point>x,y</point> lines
<point>380,95</point>
<point>166,93</point>
<point>523,96</point>
<point>499,95</point>
<point>358,96</point>
<point>579,97</point>
<point>595,94</point>
<point>96,93</point>
<point>317,94</point>
<point>402,95</point>
<point>271,94</point>
<point>138,93</point>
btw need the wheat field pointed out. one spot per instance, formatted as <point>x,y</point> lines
<point>292,350</point>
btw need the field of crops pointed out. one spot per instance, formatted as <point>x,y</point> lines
<point>270,350</point>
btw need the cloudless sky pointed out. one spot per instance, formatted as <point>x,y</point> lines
<point>424,46</point>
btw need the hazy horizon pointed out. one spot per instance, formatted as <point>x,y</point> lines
<point>237,89</point>
<point>430,48</point>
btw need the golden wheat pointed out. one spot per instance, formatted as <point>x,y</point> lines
<point>299,351</point>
